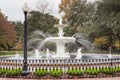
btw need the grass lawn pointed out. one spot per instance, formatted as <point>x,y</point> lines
<point>6,53</point>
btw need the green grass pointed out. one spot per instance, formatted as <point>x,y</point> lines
<point>6,53</point>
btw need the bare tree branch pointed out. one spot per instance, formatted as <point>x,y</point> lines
<point>44,7</point>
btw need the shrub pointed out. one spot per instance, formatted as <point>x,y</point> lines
<point>108,70</point>
<point>117,69</point>
<point>2,71</point>
<point>40,72</point>
<point>55,73</point>
<point>14,72</point>
<point>92,71</point>
<point>75,72</point>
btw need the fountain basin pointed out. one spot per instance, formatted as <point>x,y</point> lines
<point>60,39</point>
<point>58,56</point>
<point>72,56</point>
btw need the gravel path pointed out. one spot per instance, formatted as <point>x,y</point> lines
<point>111,78</point>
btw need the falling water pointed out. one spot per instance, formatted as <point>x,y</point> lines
<point>81,40</point>
<point>37,36</point>
<point>40,33</point>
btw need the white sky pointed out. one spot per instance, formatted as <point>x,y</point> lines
<point>13,8</point>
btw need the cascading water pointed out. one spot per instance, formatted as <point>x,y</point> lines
<point>82,41</point>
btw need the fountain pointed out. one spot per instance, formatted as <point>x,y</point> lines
<point>60,41</point>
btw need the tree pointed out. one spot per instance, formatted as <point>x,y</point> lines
<point>107,21</point>
<point>117,44</point>
<point>40,21</point>
<point>78,13</point>
<point>108,6</point>
<point>7,34</point>
<point>100,41</point>
<point>44,7</point>
<point>19,29</point>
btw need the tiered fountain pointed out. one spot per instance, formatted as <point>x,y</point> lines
<point>60,41</point>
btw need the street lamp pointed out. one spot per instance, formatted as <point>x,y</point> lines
<point>25,10</point>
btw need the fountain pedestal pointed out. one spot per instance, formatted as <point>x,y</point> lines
<point>60,50</point>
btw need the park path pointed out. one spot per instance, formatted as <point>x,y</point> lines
<point>111,78</point>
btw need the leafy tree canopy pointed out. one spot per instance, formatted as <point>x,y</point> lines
<point>42,22</point>
<point>7,34</point>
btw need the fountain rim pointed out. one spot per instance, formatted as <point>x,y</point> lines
<point>60,39</point>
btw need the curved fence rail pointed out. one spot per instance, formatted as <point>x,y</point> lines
<point>62,64</point>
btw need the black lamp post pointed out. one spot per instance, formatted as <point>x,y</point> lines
<point>25,10</point>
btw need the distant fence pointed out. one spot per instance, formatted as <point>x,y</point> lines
<point>62,64</point>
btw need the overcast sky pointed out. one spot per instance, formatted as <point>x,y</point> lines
<point>13,8</point>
